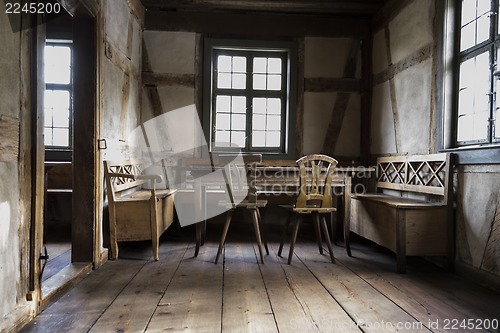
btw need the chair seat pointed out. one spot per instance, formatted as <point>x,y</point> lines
<point>243,204</point>
<point>310,210</point>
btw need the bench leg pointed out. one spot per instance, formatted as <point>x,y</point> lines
<point>401,241</point>
<point>154,225</point>
<point>112,234</point>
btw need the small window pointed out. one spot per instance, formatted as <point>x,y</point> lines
<point>250,98</point>
<point>58,95</point>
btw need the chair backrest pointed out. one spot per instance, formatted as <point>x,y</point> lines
<point>316,174</point>
<point>240,176</point>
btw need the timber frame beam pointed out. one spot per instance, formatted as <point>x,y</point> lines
<point>268,25</point>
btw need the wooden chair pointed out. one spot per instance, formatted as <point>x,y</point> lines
<point>236,176</point>
<point>315,198</point>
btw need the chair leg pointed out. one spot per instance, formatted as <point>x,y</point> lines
<point>294,238</point>
<point>255,219</point>
<point>318,232</point>
<point>198,239</point>
<point>262,233</point>
<point>283,234</point>
<point>328,242</point>
<point>229,214</point>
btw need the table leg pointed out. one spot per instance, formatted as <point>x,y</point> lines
<point>347,212</point>
<point>198,197</point>
<point>198,238</point>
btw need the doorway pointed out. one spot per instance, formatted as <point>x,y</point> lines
<point>69,107</point>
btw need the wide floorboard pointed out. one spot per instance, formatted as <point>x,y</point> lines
<point>182,293</point>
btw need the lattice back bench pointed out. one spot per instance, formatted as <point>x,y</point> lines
<point>412,212</point>
<point>136,213</point>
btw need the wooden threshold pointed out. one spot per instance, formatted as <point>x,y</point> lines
<point>55,286</point>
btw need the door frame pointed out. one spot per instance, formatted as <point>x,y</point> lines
<point>85,232</point>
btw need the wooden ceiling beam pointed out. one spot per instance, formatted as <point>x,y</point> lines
<point>268,25</point>
<point>337,7</point>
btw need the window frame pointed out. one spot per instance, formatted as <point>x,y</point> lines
<point>448,64</point>
<point>288,50</point>
<point>61,152</point>
<point>488,47</point>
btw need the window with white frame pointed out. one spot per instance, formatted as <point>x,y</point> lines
<point>478,72</point>
<point>58,94</point>
<point>249,98</point>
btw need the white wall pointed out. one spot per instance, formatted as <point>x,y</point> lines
<point>327,58</point>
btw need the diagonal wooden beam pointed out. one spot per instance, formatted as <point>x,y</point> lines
<point>151,90</point>
<point>341,104</point>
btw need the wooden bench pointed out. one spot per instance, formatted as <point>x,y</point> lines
<point>412,212</point>
<point>136,213</point>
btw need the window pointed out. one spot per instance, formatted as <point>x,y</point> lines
<point>478,73</point>
<point>58,95</point>
<point>249,97</point>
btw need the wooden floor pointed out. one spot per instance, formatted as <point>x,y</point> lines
<point>180,293</point>
<point>59,253</point>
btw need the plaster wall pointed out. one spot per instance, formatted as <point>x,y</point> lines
<point>413,98</point>
<point>327,58</point>
<point>14,203</point>
<point>173,53</point>
<point>379,57</point>
<point>318,109</point>
<point>411,29</point>
<point>383,140</point>
<point>478,216</point>
<point>121,68</point>
<point>409,97</point>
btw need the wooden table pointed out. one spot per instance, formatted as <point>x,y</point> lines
<point>281,183</point>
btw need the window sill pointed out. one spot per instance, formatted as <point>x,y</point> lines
<point>477,154</point>
<point>58,154</point>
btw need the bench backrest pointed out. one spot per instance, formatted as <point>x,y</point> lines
<point>118,177</point>
<point>426,174</point>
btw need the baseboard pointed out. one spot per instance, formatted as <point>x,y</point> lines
<point>482,277</point>
<point>18,318</point>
